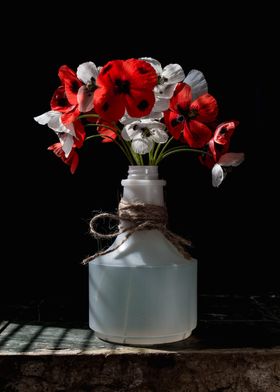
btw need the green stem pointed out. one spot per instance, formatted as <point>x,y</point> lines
<point>158,153</point>
<point>102,126</point>
<point>87,115</point>
<point>180,149</point>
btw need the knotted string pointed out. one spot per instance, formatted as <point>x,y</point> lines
<point>140,216</point>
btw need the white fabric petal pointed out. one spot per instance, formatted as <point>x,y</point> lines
<point>67,142</point>
<point>165,90</point>
<point>173,73</point>
<point>196,80</point>
<point>44,118</point>
<point>155,115</point>
<point>232,159</point>
<point>218,175</point>
<point>160,105</point>
<point>158,133</point>
<point>86,71</point>
<point>85,99</point>
<point>59,127</point>
<point>142,145</point>
<point>125,135</point>
<point>132,130</point>
<point>154,63</point>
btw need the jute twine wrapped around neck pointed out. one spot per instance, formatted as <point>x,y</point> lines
<point>140,216</point>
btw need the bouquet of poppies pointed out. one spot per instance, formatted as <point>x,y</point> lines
<point>148,111</point>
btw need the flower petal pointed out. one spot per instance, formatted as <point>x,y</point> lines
<point>154,63</point>
<point>71,115</point>
<point>87,71</point>
<point>142,145</point>
<point>224,132</point>
<point>232,159</point>
<point>132,130</point>
<point>165,90</point>
<point>70,82</point>
<point>140,74</point>
<point>161,104</point>
<point>67,142</point>
<point>182,97</point>
<point>198,84</point>
<point>107,106</point>
<point>59,101</point>
<point>158,133</point>
<point>207,108</point>
<point>218,175</point>
<point>139,103</point>
<point>44,118</point>
<point>85,99</point>
<point>196,134</point>
<point>173,73</point>
<point>174,126</point>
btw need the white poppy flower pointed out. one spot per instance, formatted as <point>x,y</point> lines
<point>143,134</point>
<point>220,169</point>
<point>168,77</point>
<point>87,73</point>
<point>196,80</point>
<point>65,132</point>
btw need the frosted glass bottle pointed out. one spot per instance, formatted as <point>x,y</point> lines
<point>144,292</point>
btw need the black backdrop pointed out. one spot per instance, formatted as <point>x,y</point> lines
<point>46,209</point>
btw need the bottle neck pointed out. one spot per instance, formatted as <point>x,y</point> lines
<point>142,185</point>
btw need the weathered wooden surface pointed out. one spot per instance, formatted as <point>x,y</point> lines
<point>236,348</point>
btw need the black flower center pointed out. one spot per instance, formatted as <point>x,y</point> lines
<point>146,132</point>
<point>188,113</point>
<point>122,86</point>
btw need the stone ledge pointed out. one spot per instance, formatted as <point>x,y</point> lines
<point>235,348</point>
<point>55,358</point>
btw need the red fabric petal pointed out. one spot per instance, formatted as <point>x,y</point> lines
<point>224,132</point>
<point>71,115</point>
<point>80,134</point>
<point>140,74</point>
<point>72,160</point>
<point>109,73</point>
<point>59,100</point>
<point>173,126</point>
<point>71,83</point>
<point>139,103</point>
<point>206,107</point>
<point>107,105</point>
<point>181,98</point>
<point>196,134</point>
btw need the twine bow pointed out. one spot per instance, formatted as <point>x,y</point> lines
<point>140,217</point>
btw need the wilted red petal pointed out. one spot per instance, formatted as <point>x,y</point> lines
<point>139,103</point>
<point>181,98</point>
<point>173,126</point>
<point>107,105</point>
<point>206,108</point>
<point>224,132</point>
<point>71,83</point>
<point>196,134</point>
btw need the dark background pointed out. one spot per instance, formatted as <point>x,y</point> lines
<point>45,209</point>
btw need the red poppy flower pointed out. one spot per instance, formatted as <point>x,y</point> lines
<point>189,120</point>
<point>125,85</point>
<point>72,160</point>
